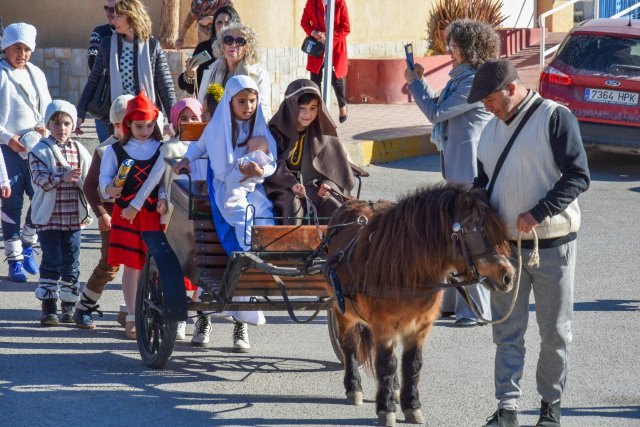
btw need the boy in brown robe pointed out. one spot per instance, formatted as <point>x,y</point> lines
<point>312,164</point>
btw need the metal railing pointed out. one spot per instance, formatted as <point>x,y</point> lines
<point>541,21</point>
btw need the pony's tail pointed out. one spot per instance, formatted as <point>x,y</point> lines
<point>365,350</point>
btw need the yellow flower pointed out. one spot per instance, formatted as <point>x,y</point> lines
<point>216,90</point>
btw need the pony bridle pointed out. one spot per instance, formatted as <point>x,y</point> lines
<point>473,247</point>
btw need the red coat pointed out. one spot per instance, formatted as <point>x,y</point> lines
<point>341,28</point>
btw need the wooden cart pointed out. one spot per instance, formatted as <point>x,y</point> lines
<point>282,272</point>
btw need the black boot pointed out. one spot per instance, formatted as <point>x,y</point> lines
<point>549,414</point>
<point>49,312</point>
<point>503,418</point>
<point>66,308</point>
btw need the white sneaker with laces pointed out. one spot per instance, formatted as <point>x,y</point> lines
<point>241,337</point>
<point>181,331</point>
<point>201,333</point>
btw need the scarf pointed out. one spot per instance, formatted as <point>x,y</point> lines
<point>218,137</point>
<point>217,72</point>
<point>457,75</point>
<point>145,76</point>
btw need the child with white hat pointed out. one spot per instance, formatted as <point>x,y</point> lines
<point>59,210</point>
<point>24,96</point>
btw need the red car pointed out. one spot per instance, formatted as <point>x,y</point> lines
<point>596,74</point>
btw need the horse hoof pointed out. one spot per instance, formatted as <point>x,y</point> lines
<point>396,396</point>
<point>387,419</point>
<point>354,398</point>
<point>413,416</point>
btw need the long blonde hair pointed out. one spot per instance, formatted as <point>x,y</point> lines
<point>137,17</point>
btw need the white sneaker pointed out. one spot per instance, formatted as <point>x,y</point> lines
<point>201,333</point>
<point>241,337</point>
<point>181,331</point>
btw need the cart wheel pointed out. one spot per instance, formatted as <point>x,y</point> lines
<point>156,336</point>
<point>334,335</point>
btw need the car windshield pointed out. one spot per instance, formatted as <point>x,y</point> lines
<point>602,54</point>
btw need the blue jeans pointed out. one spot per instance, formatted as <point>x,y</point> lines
<point>60,255</point>
<point>552,284</point>
<point>102,129</point>
<point>20,179</point>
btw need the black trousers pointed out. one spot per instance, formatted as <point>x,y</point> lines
<point>338,86</point>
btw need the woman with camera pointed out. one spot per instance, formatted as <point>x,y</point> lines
<point>457,126</point>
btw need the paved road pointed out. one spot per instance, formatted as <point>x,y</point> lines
<point>65,376</point>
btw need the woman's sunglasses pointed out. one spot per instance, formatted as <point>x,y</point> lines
<point>109,9</point>
<point>230,40</point>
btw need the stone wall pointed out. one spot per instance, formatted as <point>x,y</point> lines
<point>67,70</point>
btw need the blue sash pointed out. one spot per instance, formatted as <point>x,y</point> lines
<point>226,233</point>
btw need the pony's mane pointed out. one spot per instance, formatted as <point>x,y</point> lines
<point>408,244</point>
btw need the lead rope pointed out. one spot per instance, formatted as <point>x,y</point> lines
<point>534,261</point>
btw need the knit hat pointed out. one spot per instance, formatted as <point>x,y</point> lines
<point>118,108</point>
<point>60,105</point>
<point>192,103</point>
<point>492,76</point>
<point>19,33</point>
<point>139,108</point>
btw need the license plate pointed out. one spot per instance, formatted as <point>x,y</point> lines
<point>610,96</point>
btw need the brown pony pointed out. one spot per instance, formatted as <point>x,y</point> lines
<point>391,261</point>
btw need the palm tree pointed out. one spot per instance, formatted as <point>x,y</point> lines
<point>169,23</point>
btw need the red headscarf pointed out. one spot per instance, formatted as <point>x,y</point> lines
<point>139,108</point>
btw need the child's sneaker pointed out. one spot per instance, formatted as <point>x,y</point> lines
<point>66,308</point>
<point>16,272</point>
<point>49,312</point>
<point>201,334</point>
<point>241,337</point>
<point>181,331</point>
<point>29,262</point>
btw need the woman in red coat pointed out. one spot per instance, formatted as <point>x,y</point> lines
<point>313,23</point>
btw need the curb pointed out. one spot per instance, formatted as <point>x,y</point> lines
<point>367,152</point>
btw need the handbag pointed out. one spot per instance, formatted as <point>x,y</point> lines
<point>100,102</point>
<point>310,45</point>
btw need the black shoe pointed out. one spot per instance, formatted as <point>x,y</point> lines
<point>49,312</point>
<point>549,414</point>
<point>465,322</point>
<point>503,418</point>
<point>66,308</point>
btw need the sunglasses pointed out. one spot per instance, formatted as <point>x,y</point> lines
<point>230,40</point>
<point>109,9</point>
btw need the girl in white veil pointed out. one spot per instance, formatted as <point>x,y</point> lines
<point>237,119</point>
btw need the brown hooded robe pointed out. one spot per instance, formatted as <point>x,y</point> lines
<point>323,159</point>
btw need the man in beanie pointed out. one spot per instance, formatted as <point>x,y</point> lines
<point>103,273</point>
<point>24,96</point>
<point>59,210</point>
<point>537,186</point>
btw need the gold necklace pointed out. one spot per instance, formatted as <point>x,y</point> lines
<point>296,153</point>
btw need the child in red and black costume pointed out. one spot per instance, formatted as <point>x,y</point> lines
<point>140,201</point>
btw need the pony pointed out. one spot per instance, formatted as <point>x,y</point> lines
<point>387,264</point>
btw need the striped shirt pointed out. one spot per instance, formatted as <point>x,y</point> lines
<point>66,215</point>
